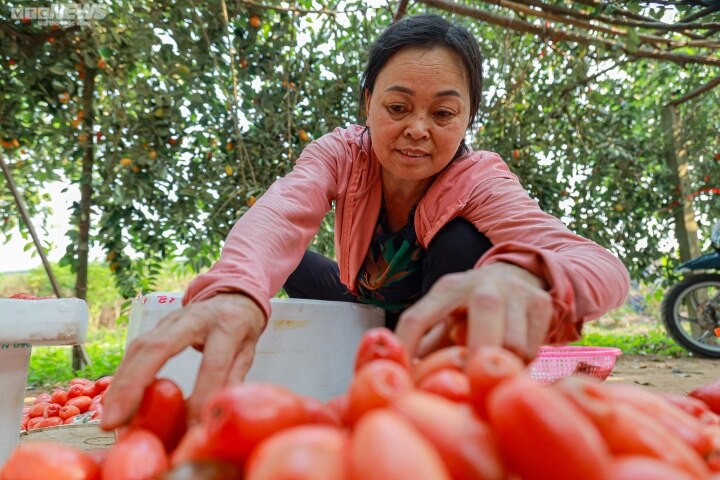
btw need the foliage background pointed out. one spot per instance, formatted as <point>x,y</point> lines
<point>200,106</point>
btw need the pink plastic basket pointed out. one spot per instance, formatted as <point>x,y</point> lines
<point>554,363</point>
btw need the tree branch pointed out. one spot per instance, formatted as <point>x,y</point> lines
<point>28,42</point>
<point>698,91</point>
<point>520,8</point>
<point>560,35</point>
<point>402,6</point>
<point>702,13</point>
<point>644,23</point>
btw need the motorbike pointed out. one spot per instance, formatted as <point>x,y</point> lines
<point>691,308</point>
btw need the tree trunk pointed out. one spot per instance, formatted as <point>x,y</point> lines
<point>83,238</point>
<point>676,156</point>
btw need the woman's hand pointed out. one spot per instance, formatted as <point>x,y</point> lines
<point>506,305</point>
<point>225,327</point>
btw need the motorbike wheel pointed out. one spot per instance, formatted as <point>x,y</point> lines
<point>682,308</point>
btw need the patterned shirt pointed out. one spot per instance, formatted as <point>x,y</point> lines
<point>391,275</point>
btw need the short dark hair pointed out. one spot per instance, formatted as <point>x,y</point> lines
<point>426,31</point>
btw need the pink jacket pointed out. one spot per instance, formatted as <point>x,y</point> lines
<point>267,243</point>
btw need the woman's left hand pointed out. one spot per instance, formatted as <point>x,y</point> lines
<point>506,305</point>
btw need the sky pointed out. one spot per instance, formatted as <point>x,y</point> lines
<point>12,255</point>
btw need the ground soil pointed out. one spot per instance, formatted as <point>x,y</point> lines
<point>663,374</point>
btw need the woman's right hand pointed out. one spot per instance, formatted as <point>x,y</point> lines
<point>225,327</point>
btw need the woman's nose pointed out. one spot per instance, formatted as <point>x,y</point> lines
<point>417,127</point>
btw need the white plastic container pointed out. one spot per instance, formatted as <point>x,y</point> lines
<point>24,323</point>
<point>308,346</point>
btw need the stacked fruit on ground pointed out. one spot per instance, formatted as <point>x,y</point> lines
<point>81,402</point>
<point>451,415</point>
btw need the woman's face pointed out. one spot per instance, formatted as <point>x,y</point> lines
<point>418,113</point>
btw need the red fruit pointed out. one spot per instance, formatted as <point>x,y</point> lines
<point>76,390</point>
<point>49,422</point>
<point>307,451</point>
<point>83,403</point>
<point>163,412</point>
<point>192,446</point>
<point>59,396</point>
<point>450,357</point>
<point>384,446</point>
<point>535,426</point>
<point>38,410</point>
<point>626,429</point>
<point>488,367</point>
<point>688,428</point>
<point>90,390</point>
<point>447,383</point>
<point>68,411</point>
<point>102,384</point>
<point>49,460</point>
<point>138,455</point>
<point>24,296</point>
<point>710,394</point>
<point>339,404</point>
<point>380,343</point>
<point>42,398</point>
<point>320,413</point>
<point>80,381</point>
<point>97,401</point>
<point>240,417</point>
<point>32,423</point>
<point>465,443</point>
<point>52,410</point>
<point>375,386</point>
<point>645,468</point>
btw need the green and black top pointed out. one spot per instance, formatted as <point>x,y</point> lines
<point>391,275</point>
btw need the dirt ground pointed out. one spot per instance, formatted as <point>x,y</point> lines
<point>670,375</point>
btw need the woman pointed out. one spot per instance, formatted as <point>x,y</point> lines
<point>425,228</point>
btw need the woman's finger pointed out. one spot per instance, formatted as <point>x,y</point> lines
<point>220,348</point>
<point>516,329</point>
<point>486,317</point>
<point>442,299</point>
<point>143,359</point>
<point>437,338</point>
<point>539,317</point>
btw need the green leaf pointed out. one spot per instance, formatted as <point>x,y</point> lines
<point>632,42</point>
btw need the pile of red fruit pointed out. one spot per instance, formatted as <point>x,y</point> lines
<point>64,406</point>
<point>453,415</point>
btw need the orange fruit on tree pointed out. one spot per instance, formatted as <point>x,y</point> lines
<point>251,200</point>
<point>255,21</point>
<point>64,97</point>
<point>303,135</point>
<point>243,63</point>
<point>229,146</point>
<point>152,154</point>
<point>516,153</point>
<point>82,138</point>
<point>101,63</point>
<point>228,170</point>
<point>125,162</point>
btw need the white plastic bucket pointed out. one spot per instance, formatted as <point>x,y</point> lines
<point>24,323</point>
<point>14,362</point>
<point>308,346</point>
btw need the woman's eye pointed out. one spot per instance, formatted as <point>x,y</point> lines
<point>443,114</point>
<point>396,109</point>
